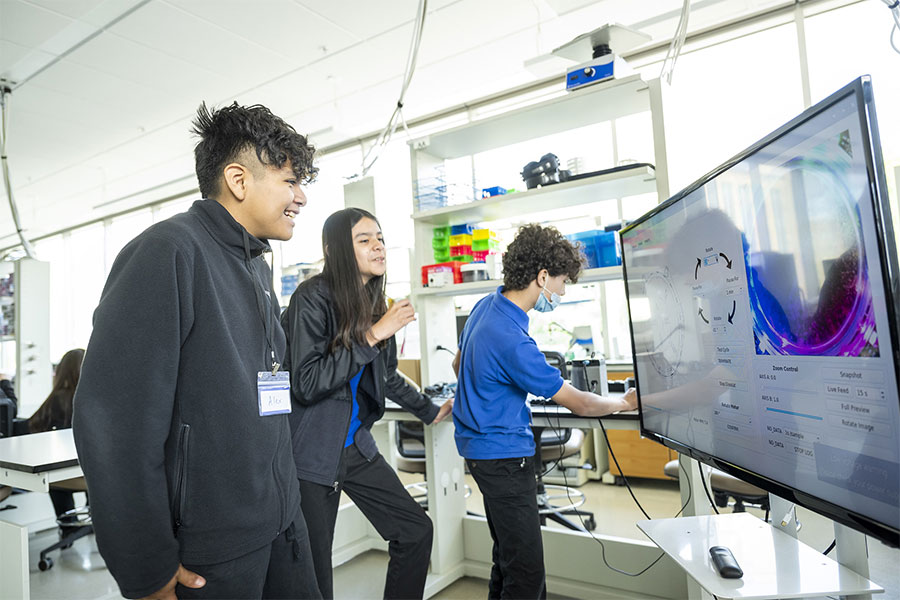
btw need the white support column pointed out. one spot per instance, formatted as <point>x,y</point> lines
<point>32,298</point>
<point>851,551</point>
<point>14,562</point>
<point>659,139</point>
<point>782,510</point>
<point>446,497</point>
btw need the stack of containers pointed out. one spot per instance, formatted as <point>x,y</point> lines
<point>440,243</point>
<point>484,242</point>
<point>461,243</point>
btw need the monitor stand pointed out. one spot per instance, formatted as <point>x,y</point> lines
<point>775,564</point>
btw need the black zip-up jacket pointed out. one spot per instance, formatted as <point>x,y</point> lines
<point>180,465</point>
<point>321,398</point>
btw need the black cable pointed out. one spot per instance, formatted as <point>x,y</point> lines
<point>830,548</point>
<point>445,349</point>
<point>706,489</point>
<point>621,472</point>
<point>628,485</point>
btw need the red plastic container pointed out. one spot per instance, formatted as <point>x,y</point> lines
<point>452,266</point>
<point>460,250</point>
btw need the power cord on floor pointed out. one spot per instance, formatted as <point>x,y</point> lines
<point>830,548</point>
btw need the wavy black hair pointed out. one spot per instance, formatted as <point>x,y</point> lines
<point>227,132</point>
<point>536,248</point>
<point>357,306</point>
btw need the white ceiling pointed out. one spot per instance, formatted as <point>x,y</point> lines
<point>104,90</point>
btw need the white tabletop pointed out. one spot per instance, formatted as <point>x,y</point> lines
<point>39,452</point>
<point>775,564</point>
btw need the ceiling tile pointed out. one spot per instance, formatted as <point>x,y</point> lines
<point>282,26</point>
<point>28,25</point>
<point>74,9</point>
<point>365,19</point>
<point>151,68</point>
<point>174,32</point>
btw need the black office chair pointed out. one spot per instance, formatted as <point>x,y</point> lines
<point>552,446</point>
<point>724,486</point>
<point>73,524</point>
<point>410,441</point>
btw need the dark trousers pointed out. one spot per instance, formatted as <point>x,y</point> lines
<point>283,569</point>
<point>510,503</point>
<point>63,501</point>
<point>375,488</point>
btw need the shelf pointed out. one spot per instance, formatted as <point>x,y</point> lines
<point>484,287</point>
<point>7,338</point>
<point>620,184</point>
<point>598,103</point>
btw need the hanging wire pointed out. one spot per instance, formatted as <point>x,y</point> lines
<point>894,7</point>
<point>4,105</point>
<point>668,66</point>
<point>397,116</point>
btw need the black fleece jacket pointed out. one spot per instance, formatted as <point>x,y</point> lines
<point>180,466</point>
<point>321,398</point>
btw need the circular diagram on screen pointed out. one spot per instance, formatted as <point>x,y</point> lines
<point>667,324</point>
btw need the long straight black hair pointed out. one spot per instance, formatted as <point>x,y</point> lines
<point>357,306</point>
<point>56,411</point>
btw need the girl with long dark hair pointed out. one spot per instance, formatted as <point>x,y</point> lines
<point>343,361</point>
<point>56,413</point>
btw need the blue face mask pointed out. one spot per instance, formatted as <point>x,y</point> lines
<point>544,305</point>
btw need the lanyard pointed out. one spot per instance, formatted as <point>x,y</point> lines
<point>261,303</point>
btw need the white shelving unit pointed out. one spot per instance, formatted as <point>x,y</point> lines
<point>612,100</point>
<point>31,339</point>
<point>603,102</point>
<point>611,186</point>
<point>485,287</point>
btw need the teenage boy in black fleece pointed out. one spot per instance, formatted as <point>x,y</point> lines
<point>186,455</point>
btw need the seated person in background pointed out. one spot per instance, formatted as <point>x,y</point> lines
<point>497,365</point>
<point>56,413</point>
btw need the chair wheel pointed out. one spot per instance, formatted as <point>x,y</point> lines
<point>45,563</point>
<point>590,524</point>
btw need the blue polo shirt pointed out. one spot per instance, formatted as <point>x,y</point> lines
<point>499,365</point>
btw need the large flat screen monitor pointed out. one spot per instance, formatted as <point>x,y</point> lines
<point>763,302</point>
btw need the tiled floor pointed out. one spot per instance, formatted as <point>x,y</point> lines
<point>78,573</point>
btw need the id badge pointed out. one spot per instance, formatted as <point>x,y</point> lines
<point>274,393</point>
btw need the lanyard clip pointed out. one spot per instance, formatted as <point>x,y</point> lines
<point>275,364</point>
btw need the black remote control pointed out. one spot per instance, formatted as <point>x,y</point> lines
<point>724,561</point>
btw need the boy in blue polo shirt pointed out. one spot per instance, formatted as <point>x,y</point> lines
<point>497,365</point>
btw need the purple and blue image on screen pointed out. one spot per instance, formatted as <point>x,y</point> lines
<point>809,292</point>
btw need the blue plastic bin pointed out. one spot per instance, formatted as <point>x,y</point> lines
<point>588,240</point>
<point>607,246</point>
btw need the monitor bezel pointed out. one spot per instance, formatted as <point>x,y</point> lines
<point>887,249</point>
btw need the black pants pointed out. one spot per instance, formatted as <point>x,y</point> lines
<point>63,501</point>
<point>375,488</point>
<point>510,503</point>
<point>283,569</point>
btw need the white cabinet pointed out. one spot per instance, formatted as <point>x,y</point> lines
<point>604,102</point>
<point>25,349</point>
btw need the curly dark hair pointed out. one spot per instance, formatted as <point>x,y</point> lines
<point>227,132</point>
<point>537,248</point>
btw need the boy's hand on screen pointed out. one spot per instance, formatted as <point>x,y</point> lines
<point>630,399</point>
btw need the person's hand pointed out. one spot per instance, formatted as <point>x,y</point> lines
<point>630,399</point>
<point>396,318</point>
<point>446,409</point>
<point>182,576</point>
